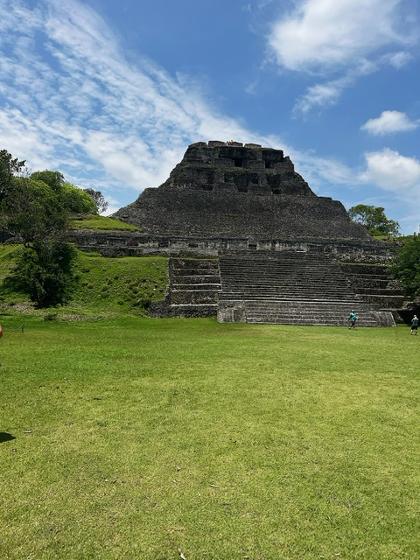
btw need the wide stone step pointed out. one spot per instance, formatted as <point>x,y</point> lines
<point>193,297</point>
<point>303,304</point>
<point>314,296</point>
<point>281,286</point>
<point>364,269</point>
<point>380,291</point>
<point>193,287</point>
<point>194,272</point>
<point>196,278</point>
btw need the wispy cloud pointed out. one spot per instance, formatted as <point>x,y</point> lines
<point>70,99</point>
<point>390,122</point>
<point>328,92</point>
<point>327,38</point>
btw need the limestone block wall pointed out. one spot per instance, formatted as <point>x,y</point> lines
<point>233,190</point>
<point>123,243</point>
<point>179,212</point>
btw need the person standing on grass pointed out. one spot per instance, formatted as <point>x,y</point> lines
<point>414,324</point>
<point>1,331</point>
<point>353,318</point>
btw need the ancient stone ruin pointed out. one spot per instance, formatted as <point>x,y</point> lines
<point>249,241</point>
<point>231,190</point>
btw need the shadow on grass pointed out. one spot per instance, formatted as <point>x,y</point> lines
<point>5,436</point>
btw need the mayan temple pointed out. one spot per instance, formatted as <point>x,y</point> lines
<point>249,241</point>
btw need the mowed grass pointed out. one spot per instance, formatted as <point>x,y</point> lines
<point>104,286</point>
<point>147,439</point>
<point>101,223</point>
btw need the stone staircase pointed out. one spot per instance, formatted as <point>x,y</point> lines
<point>194,285</point>
<point>374,284</point>
<point>293,288</point>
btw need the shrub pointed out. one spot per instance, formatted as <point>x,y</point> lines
<point>45,272</point>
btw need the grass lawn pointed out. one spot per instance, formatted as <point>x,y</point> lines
<point>147,439</point>
<point>104,287</point>
<point>96,222</point>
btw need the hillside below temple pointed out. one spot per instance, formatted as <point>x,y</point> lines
<point>249,241</point>
<point>232,190</point>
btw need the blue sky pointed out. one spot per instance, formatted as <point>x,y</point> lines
<point>111,93</point>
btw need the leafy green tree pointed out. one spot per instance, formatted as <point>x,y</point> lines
<point>37,209</point>
<point>74,200</point>
<point>407,266</point>
<point>45,271</point>
<point>9,167</point>
<point>374,219</point>
<point>77,201</point>
<point>34,211</point>
<point>99,199</point>
<point>54,179</point>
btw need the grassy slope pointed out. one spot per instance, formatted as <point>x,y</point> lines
<point>102,223</point>
<point>138,438</point>
<point>105,285</point>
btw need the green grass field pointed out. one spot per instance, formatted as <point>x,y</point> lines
<point>104,223</point>
<point>163,439</point>
<point>105,286</point>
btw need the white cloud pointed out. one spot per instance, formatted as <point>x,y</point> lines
<point>328,93</point>
<point>127,124</point>
<point>389,122</point>
<point>394,172</point>
<point>70,100</point>
<point>103,120</point>
<point>345,37</point>
<point>400,59</point>
<point>324,34</point>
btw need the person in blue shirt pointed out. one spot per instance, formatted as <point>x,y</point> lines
<point>353,318</point>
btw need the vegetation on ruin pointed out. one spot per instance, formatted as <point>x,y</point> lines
<point>36,209</point>
<point>98,223</point>
<point>407,265</point>
<point>142,438</point>
<point>103,286</point>
<point>375,221</point>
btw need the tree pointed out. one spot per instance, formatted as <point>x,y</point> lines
<point>54,179</point>
<point>99,200</point>
<point>9,167</point>
<point>407,266</point>
<point>74,199</point>
<point>77,201</point>
<point>34,211</point>
<point>374,219</point>
<point>37,209</point>
<point>45,271</point>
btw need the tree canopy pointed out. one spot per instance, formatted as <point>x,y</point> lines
<point>37,209</point>
<point>374,219</point>
<point>9,167</point>
<point>407,266</point>
<point>99,199</point>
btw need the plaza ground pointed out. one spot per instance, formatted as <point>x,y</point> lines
<point>146,438</point>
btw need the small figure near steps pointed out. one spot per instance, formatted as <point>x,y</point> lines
<point>414,325</point>
<point>353,318</point>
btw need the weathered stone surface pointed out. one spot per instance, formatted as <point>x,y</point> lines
<point>227,189</point>
<point>283,254</point>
